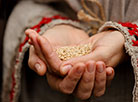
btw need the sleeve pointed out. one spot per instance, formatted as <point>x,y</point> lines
<point>46,1</point>
<point>25,14</point>
<point>130,32</point>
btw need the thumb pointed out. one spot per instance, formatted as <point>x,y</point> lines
<point>49,54</point>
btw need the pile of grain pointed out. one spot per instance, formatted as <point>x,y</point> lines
<point>67,52</point>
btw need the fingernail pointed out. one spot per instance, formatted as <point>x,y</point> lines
<point>90,68</point>
<point>38,67</point>
<point>66,68</point>
<point>110,72</point>
<point>79,70</point>
<point>100,68</point>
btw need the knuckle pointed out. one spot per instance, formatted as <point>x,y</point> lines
<point>84,96</point>
<point>50,55</point>
<point>73,78</point>
<point>88,80</point>
<point>27,30</point>
<point>99,93</point>
<point>65,90</point>
<point>100,80</point>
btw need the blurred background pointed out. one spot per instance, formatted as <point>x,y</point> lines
<point>6,6</point>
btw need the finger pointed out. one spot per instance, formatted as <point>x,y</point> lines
<point>49,54</point>
<point>70,81</point>
<point>30,42</point>
<point>32,34</point>
<point>110,75</point>
<point>95,55</point>
<point>53,81</point>
<point>64,66</point>
<point>28,32</point>
<point>35,63</point>
<point>86,84</point>
<point>100,79</point>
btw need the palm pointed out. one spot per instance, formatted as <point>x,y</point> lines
<point>64,36</point>
<point>110,45</point>
<point>53,38</point>
<point>106,46</point>
<point>44,45</point>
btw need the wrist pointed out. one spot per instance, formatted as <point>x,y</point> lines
<point>120,36</point>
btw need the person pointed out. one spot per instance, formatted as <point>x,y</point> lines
<point>107,45</point>
<point>54,63</point>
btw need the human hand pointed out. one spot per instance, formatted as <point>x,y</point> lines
<point>101,77</point>
<point>83,80</point>
<point>60,35</point>
<point>107,46</point>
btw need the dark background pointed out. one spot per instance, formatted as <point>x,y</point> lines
<point>6,6</point>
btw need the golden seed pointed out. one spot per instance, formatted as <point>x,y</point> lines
<point>67,52</point>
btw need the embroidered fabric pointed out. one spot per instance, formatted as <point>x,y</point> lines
<point>41,27</point>
<point>128,29</point>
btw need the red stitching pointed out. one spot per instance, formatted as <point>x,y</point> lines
<point>133,30</point>
<point>23,43</point>
<point>13,85</point>
<point>46,20</point>
<point>37,27</point>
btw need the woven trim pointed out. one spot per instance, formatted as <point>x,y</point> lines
<point>131,50</point>
<point>25,46</point>
<point>17,74</point>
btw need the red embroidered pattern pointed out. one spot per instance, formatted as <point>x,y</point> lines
<point>45,20</point>
<point>13,85</point>
<point>133,31</point>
